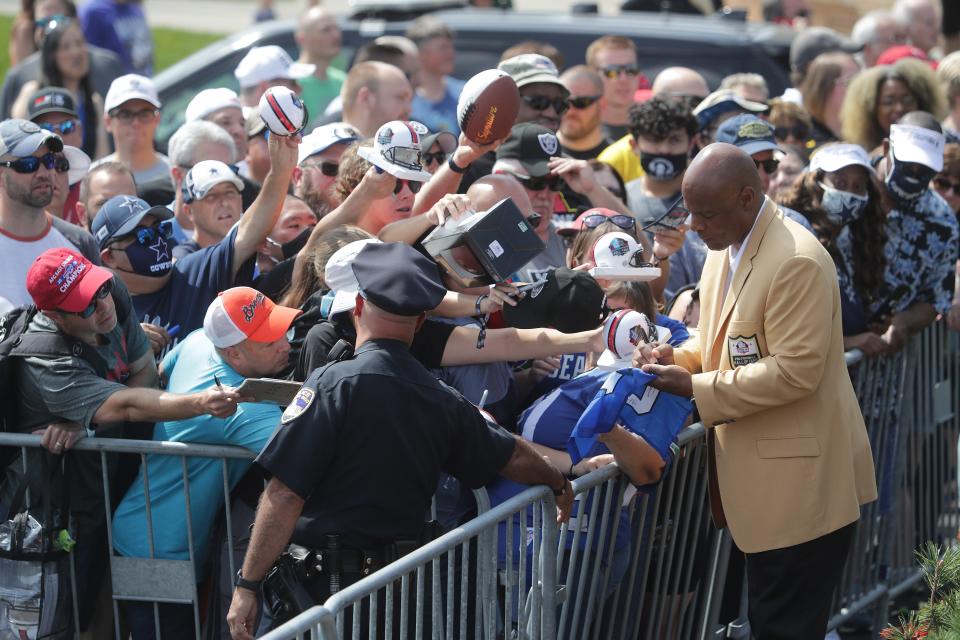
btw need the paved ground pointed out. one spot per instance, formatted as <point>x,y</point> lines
<point>225,16</point>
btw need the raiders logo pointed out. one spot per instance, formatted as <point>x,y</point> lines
<point>743,350</point>
<point>548,142</point>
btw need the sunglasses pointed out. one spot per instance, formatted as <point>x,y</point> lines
<point>41,23</point>
<point>594,220</point>
<point>64,128</point>
<point>583,102</point>
<point>30,164</point>
<point>946,185</point>
<point>413,184</point>
<point>769,166</point>
<point>147,236</point>
<point>615,70</point>
<point>101,293</point>
<point>439,157</point>
<point>329,169</point>
<point>798,131</point>
<point>143,116</point>
<point>551,182</point>
<point>542,103</point>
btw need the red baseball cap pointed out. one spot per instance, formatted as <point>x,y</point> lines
<point>64,280</point>
<point>242,313</point>
<point>901,51</point>
<point>576,226</point>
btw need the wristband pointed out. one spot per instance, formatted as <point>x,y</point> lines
<point>571,474</point>
<point>243,583</point>
<point>453,166</point>
<point>476,309</point>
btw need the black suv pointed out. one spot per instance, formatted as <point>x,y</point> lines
<point>714,46</point>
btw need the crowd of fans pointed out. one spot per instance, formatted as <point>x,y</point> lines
<point>863,151</point>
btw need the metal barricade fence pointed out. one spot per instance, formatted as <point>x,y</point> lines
<point>675,583</point>
<point>150,579</point>
<point>639,566</point>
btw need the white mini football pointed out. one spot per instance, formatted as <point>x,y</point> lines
<point>282,111</point>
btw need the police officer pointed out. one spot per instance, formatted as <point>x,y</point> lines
<point>359,451</point>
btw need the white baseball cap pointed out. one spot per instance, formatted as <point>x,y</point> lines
<point>623,330</point>
<point>79,164</point>
<point>910,143</point>
<point>205,175</point>
<point>269,63</point>
<point>836,156</point>
<point>322,138</point>
<point>210,100</point>
<point>131,87</point>
<point>339,276</point>
<point>616,250</point>
<point>396,149</point>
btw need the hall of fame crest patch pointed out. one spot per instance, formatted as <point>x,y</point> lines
<point>743,350</point>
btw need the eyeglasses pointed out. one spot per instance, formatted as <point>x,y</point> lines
<point>30,164</point>
<point>906,102</point>
<point>769,166</point>
<point>329,169</point>
<point>582,102</point>
<point>551,182</point>
<point>101,293</point>
<point>439,157</point>
<point>615,70</point>
<point>413,184</point>
<point>594,220</point>
<point>41,23</point>
<point>542,103</point>
<point>798,131</point>
<point>65,128</point>
<point>143,116</point>
<point>946,185</point>
<point>147,236</point>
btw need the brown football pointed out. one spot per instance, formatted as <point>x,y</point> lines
<point>488,106</point>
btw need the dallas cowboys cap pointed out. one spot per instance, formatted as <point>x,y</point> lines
<point>120,215</point>
<point>204,176</point>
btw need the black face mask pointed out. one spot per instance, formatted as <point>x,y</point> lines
<point>663,167</point>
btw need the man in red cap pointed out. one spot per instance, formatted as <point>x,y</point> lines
<point>85,360</point>
<point>244,336</point>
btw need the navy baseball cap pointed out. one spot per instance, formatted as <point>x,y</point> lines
<point>750,133</point>
<point>398,279</point>
<point>120,215</point>
<point>21,138</point>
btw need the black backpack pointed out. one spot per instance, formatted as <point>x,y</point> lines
<point>16,343</point>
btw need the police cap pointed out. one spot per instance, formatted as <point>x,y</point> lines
<point>398,279</point>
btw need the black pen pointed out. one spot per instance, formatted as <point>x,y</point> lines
<point>217,380</point>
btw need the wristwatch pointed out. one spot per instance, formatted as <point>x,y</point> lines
<point>243,583</point>
<point>455,167</point>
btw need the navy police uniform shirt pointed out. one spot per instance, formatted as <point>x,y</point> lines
<point>365,440</point>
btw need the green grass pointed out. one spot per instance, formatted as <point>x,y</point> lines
<point>169,45</point>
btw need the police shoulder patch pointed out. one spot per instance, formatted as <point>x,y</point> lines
<point>301,402</point>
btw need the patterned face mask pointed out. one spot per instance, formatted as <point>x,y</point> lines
<point>842,207</point>
<point>908,181</point>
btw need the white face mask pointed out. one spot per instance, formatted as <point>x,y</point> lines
<point>842,207</point>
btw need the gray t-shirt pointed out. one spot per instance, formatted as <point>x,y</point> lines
<point>553,255</point>
<point>68,388</point>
